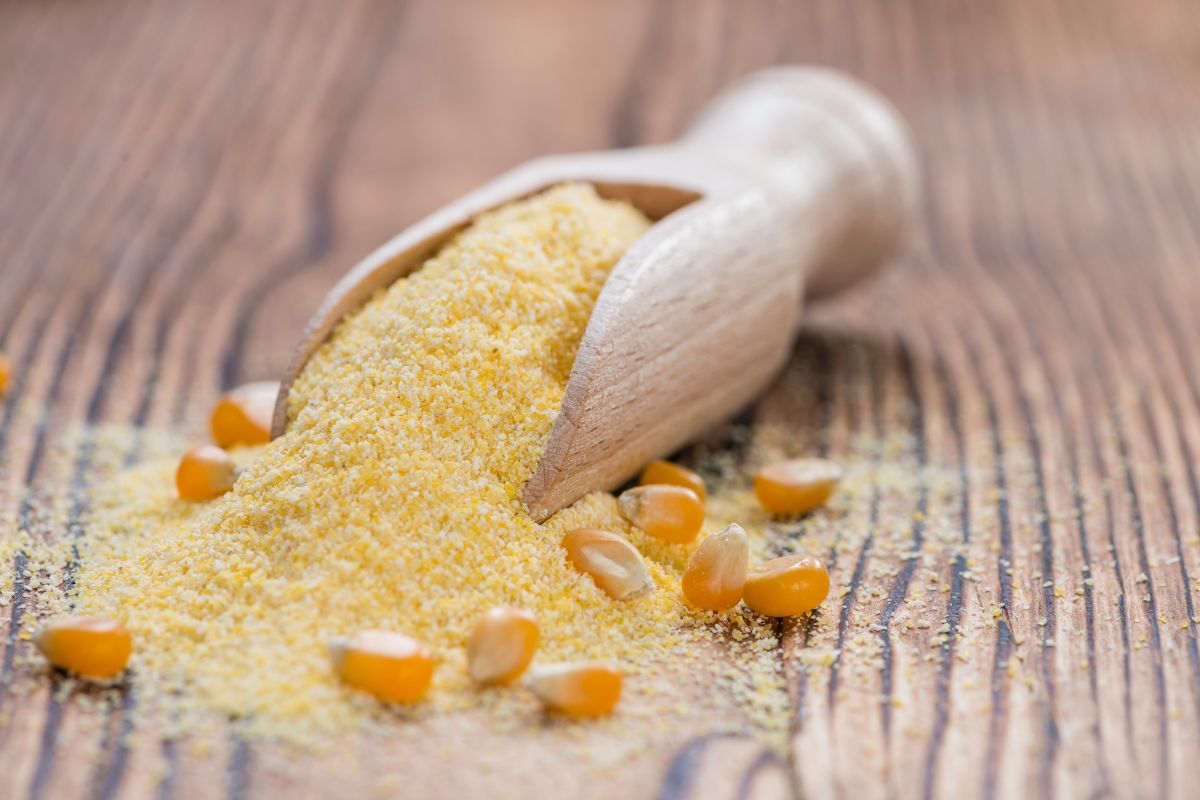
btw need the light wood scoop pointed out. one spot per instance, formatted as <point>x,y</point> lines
<point>793,184</point>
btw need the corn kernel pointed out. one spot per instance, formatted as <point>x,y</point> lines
<point>666,472</point>
<point>501,645</point>
<point>716,574</point>
<point>612,562</point>
<point>391,666</point>
<point>243,415</point>
<point>204,473</point>
<point>671,513</point>
<point>92,646</point>
<point>578,689</point>
<point>787,586</point>
<point>5,373</point>
<point>797,486</point>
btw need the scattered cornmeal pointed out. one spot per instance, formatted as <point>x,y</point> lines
<point>94,647</point>
<point>675,475</point>
<point>394,502</point>
<point>243,415</point>
<point>671,513</point>
<point>581,689</point>
<point>786,586</point>
<point>204,473</point>
<point>391,666</point>
<point>501,645</point>
<point>716,574</point>
<point>796,487</point>
<point>612,562</point>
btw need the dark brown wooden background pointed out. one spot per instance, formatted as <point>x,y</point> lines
<point>181,181</point>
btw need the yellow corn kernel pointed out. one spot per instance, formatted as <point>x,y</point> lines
<point>787,586</point>
<point>391,666</point>
<point>501,645</point>
<point>797,486</point>
<point>5,373</point>
<point>92,646</point>
<point>204,473</point>
<point>243,415</point>
<point>612,562</point>
<point>716,573</point>
<point>674,475</point>
<point>578,689</point>
<point>671,513</point>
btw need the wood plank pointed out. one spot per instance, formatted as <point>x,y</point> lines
<point>182,182</point>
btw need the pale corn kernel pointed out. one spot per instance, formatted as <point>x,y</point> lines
<point>95,647</point>
<point>502,645</point>
<point>390,666</point>
<point>204,473</point>
<point>578,689</point>
<point>786,586</point>
<point>671,513</point>
<point>716,574</point>
<point>612,562</point>
<point>797,486</point>
<point>5,373</point>
<point>243,415</point>
<point>667,472</point>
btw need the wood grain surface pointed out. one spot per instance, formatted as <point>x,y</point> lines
<point>183,181</point>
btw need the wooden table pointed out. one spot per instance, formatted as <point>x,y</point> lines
<point>183,181</point>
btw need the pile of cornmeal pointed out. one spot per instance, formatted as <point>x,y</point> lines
<point>394,499</point>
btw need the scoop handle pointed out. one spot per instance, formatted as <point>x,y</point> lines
<point>834,154</point>
<point>803,181</point>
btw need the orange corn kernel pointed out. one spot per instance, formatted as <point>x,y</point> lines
<point>716,573</point>
<point>391,666</point>
<point>92,646</point>
<point>612,562</point>
<point>578,689</point>
<point>787,586</point>
<point>501,645</point>
<point>243,415</point>
<point>797,486</point>
<point>674,475</point>
<point>205,473</point>
<point>671,513</point>
<point>5,373</point>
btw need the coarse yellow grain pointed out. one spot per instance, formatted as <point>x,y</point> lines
<point>393,502</point>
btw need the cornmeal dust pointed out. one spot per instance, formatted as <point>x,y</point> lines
<point>393,502</point>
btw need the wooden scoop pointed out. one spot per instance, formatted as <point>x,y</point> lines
<point>791,185</point>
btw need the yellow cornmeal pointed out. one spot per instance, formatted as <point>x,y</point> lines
<point>393,501</point>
